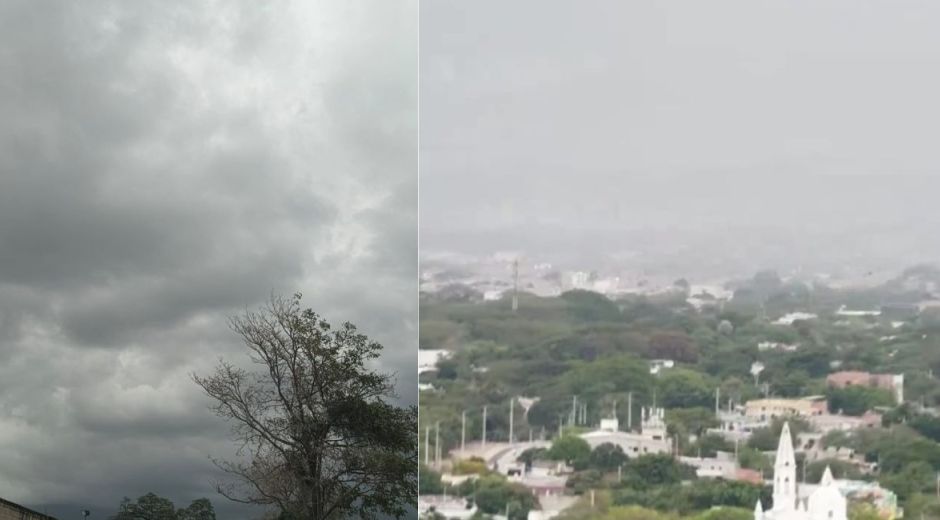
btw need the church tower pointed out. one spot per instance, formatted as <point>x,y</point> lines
<point>785,473</point>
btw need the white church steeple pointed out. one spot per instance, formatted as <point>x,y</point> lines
<point>785,473</point>
<point>825,503</point>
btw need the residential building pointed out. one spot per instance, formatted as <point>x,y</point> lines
<point>11,511</point>
<point>651,439</point>
<point>767,409</point>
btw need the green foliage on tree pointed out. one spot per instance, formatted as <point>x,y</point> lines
<point>569,448</point>
<point>682,388</point>
<point>153,507</point>
<point>429,481</point>
<point>856,400</point>
<point>607,457</point>
<point>493,494</point>
<point>653,470</point>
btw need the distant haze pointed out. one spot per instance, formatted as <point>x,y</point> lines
<point>745,134</point>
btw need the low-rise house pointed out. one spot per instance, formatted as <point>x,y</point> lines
<point>657,365</point>
<point>722,465</point>
<point>736,426</point>
<point>542,485</point>
<point>793,317</point>
<point>11,511</point>
<point>651,439</point>
<point>767,409</point>
<point>826,423</point>
<point>773,345</point>
<point>448,506</point>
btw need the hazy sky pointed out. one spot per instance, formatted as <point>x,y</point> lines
<point>567,116</point>
<point>164,166</point>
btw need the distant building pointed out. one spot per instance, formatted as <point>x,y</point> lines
<point>722,465</point>
<point>449,507</point>
<point>767,409</point>
<point>542,485</point>
<point>651,439</point>
<point>793,317</point>
<point>428,359</point>
<point>771,345</point>
<point>826,422</point>
<point>736,425</point>
<point>11,511</point>
<point>657,365</point>
<point>891,382</point>
<point>844,311</point>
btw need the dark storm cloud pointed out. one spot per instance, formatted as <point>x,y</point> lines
<point>163,168</point>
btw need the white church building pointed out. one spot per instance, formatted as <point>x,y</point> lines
<point>826,502</point>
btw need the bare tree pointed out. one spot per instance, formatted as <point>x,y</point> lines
<point>318,438</point>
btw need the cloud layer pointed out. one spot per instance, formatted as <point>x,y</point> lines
<point>163,167</point>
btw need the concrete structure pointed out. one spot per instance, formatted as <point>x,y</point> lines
<point>651,439</point>
<point>891,382</point>
<point>771,345</point>
<point>450,507</point>
<point>845,311</point>
<point>767,409</point>
<point>826,423</point>
<point>791,318</point>
<point>542,485</point>
<point>811,445</point>
<point>736,426</point>
<point>428,359</point>
<point>552,506</point>
<point>722,465</point>
<point>825,502</point>
<point>657,365</point>
<point>11,511</point>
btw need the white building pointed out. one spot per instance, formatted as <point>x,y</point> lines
<point>722,465</point>
<point>791,318</point>
<point>657,365</point>
<point>449,507</point>
<point>428,359</point>
<point>826,502</point>
<point>651,439</point>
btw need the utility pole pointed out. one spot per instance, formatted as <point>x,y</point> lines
<point>484,426</point>
<point>630,411</point>
<point>717,400</point>
<point>512,402</point>
<point>463,432</point>
<point>515,285</point>
<point>437,444</point>
<point>427,445</point>
<point>574,406</point>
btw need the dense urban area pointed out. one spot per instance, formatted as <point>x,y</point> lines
<point>553,393</point>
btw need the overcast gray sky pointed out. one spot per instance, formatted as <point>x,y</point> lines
<point>543,121</point>
<point>164,166</point>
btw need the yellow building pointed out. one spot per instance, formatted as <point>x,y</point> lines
<point>767,409</point>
